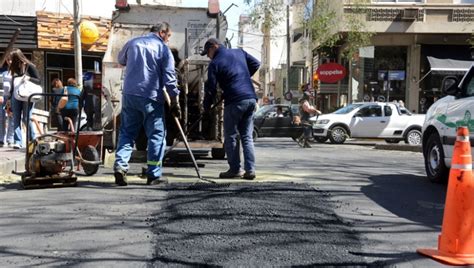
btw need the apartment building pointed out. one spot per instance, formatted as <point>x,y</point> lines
<point>396,66</point>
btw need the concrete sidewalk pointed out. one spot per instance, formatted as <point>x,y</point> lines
<point>11,159</point>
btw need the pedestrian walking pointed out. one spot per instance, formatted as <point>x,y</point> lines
<point>149,67</point>
<point>232,70</point>
<point>71,109</point>
<point>6,116</point>
<point>306,111</point>
<point>20,66</point>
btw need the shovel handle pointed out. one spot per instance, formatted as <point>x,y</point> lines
<point>178,124</point>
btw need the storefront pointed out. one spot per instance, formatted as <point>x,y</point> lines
<point>55,40</point>
<point>438,62</point>
<point>383,77</point>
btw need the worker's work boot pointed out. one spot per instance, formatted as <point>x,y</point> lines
<point>230,175</point>
<point>120,178</point>
<point>249,175</point>
<point>156,181</point>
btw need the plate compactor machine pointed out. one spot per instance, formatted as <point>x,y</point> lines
<point>52,158</point>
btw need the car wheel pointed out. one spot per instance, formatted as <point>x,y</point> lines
<point>254,135</point>
<point>320,139</point>
<point>338,135</point>
<point>436,170</point>
<point>413,137</point>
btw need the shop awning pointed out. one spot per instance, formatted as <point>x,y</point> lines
<point>447,67</point>
<point>441,66</point>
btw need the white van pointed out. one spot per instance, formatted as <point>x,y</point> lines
<point>441,122</point>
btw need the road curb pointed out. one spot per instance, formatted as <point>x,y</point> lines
<point>11,164</point>
<point>399,147</point>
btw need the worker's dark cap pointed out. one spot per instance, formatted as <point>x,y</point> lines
<point>209,43</point>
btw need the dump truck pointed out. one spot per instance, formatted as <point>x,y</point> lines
<point>191,27</point>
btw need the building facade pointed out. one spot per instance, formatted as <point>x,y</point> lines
<point>395,65</point>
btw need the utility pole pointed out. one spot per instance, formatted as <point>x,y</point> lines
<point>266,53</point>
<point>288,48</point>
<point>77,43</point>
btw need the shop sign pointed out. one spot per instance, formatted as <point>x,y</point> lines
<point>391,75</point>
<point>331,72</point>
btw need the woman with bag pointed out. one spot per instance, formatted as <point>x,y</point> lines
<point>71,107</point>
<point>21,68</point>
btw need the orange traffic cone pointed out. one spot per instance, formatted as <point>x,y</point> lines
<point>456,242</point>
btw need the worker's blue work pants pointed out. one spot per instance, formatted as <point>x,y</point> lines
<point>238,119</point>
<point>138,111</point>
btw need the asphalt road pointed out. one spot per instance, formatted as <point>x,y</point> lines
<point>327,205</point>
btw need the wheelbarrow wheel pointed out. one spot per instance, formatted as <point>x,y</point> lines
<point>90,153</point>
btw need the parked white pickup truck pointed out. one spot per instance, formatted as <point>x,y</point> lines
<point>442,120</point>
<point>381,120</point>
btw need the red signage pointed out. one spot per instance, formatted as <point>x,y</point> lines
<point>331,72</point>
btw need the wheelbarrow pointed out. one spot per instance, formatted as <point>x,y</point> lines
<point>51,158</point>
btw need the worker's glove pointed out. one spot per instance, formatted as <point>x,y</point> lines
<point>175,109</point>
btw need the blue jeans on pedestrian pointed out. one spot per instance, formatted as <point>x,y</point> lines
<point>138,111</point>
<point>6,125</point>
<point>20,110</point>
<point>238,120</point>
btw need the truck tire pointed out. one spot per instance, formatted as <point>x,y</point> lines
<point>218,153</point>
<point>436,170</point>
<point>338,134</point>
<point>413,137</point>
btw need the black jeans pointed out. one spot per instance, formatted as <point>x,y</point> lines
<point>71,113</point>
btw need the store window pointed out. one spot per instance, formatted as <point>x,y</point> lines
<point>384,76</point>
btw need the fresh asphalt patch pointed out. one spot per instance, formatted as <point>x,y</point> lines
<point>252,224</point>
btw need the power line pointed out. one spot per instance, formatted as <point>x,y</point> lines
<point>65,7</point>
<point>261,35</point>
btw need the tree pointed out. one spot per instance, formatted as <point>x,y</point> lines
<point>266,15</point>
<point>331,27</point>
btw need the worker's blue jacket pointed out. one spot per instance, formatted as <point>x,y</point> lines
<point>232,69</point>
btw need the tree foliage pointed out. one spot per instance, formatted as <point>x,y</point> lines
<point>266,14</point>
<point>325,26</point>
